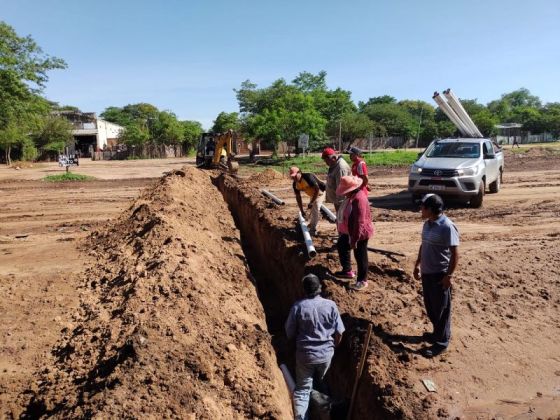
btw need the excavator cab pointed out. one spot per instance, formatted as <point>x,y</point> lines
<point>217,151</point>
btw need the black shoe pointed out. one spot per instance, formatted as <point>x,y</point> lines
<point>428,337</point>
<point>433,351</point>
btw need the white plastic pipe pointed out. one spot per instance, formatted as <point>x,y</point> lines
<point>273,197</point>
<point>288,378</point>
<point>329,214</point>
<point>306,236</point>
<point>454,103</point>
<point>447,110</point>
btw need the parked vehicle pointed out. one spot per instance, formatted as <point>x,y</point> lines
<point>461,167</point>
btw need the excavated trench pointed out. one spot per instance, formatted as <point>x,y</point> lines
<point>169,324</point>
<point>277,258</point>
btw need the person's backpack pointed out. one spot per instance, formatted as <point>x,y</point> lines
<point>321,184</point>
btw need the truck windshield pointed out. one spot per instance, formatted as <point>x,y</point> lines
<point>454,150</point>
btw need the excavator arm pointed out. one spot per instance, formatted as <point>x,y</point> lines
<point>224,142</point>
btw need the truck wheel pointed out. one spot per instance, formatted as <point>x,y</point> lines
<point>495,186</point>
<point>476,201</point>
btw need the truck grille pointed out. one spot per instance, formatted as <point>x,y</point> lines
<point>444,173</point>
<point>437,182</point>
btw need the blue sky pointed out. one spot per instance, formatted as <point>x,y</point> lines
<point>188,56</point>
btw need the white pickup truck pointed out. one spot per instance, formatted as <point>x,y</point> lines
<point>461,167</point>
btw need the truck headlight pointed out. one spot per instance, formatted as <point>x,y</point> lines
<point>416,169</point>
<point>468,171</point>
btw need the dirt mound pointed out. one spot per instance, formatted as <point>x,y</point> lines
<point>267,176</point>
<point>169,323</point>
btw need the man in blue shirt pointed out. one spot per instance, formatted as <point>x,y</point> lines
<point>436,263</point>
<point>316,326</point>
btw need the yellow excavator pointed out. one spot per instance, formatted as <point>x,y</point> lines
<point>217,151</point>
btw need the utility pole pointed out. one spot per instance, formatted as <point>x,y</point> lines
<point>340,135</point>
<point>419,124</point>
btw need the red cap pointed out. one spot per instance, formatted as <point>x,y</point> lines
<point>328,151</point>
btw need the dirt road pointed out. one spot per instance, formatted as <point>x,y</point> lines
<point>504,359</point>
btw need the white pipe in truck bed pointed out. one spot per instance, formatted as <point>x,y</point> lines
<point>454,103</point>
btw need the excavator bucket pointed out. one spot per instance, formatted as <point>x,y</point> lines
<point>233,166</point>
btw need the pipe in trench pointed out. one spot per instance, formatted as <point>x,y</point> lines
<point>273,197</point>
<point>328,214</point>
<point>288,378</point>
<point>306,236</point>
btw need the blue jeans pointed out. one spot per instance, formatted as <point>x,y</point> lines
<point>306,374</point>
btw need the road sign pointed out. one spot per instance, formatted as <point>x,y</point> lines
<point>303,141</point>
<point>68,160</point>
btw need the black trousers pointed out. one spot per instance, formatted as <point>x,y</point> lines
<point>437,301</point>
<point>360,253</point>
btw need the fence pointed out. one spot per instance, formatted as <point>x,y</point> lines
<point>383,143</point>
<point>148,151</point>
<point>525,138</point>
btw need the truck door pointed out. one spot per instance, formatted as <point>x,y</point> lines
<point>490,161</point>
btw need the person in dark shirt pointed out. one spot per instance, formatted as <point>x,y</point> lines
<point>315,324</point>
<point>312,187</point>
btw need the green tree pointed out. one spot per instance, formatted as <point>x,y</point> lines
<point>376,100</point>
<point>23,75</point>
<point>192,130</point>
<point>226,121</point>
<point>117,115</point>
<point>292,115</point>
<point>551,116</point>
<point>165,129</point>
<point>264,112</point>
<point>486,122</point>
<point>52,134</point>
<point>522,97</point>
<point>395,119</point>
<point>135,134</point>
<point>354,126</point>
<point>131,113</point>
<point>531,118</point>
<point>309,82</point>
<point>445,128</point>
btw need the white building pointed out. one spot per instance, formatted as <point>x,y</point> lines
<point>91,133</point>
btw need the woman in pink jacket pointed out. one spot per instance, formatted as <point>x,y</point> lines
<point>355,228</point>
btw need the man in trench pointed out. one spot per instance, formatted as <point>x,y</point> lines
<point>337,169</point>
<point>315,324</point>
<point>435,265</point>
<point>314,188</point>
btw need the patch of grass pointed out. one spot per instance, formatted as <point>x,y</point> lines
<point>68,177</point>
<point>520,150</point>
<point>392,158</point>
<point>316,165</point>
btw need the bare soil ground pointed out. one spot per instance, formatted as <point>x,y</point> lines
<point>504,360</point>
